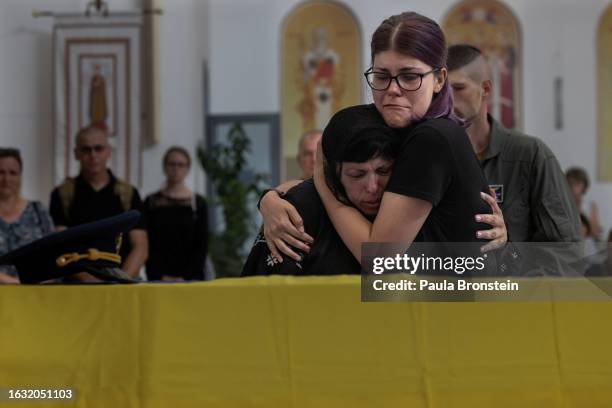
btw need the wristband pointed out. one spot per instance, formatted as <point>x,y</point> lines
<point>266,191</point>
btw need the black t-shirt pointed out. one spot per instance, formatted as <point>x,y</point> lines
<point>436,163</point>
<point>178,236</point>
<point>89,205</point>
<point>328,254</point>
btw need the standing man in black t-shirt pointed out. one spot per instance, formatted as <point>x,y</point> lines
<point>95,194</point>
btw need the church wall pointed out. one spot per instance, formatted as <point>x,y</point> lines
<point>240,40</point>
<point>558,41</point>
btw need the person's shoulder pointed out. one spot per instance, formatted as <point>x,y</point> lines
<point>438,133</point>
<point>304,192</point>
<point>127,193</point>
<point>517,139</point>
<point>68,182</point>
<point>364,109</point>
<point>121,183</point>
<point>516,143</point>
<point>39,207</point>
<point>305,199</point>
<point>36,204</point>
<point>443,127</point>
<point>200,200</point>
<point>127,186</point>
<point>153,197</point>
<point>65,191</point>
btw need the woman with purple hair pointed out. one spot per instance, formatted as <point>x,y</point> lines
<point>436,192</point>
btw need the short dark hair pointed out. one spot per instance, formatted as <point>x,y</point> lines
<point>355,134</point>
<point>367,144</point>
<point>177,149</point>
<point>460,55</point>
<point>87,129</point>
<point>578,174</point>
<point>11,152</point>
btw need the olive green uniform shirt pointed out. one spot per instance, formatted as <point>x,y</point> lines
<point>531,188</point>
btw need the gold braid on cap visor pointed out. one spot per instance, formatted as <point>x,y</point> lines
<point>91,255</point>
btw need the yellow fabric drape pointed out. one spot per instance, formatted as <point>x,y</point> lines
<point>298,342</point>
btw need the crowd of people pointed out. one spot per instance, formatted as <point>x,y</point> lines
<point>426,162</point>
<point>436,99</point>
<point>170,238</point>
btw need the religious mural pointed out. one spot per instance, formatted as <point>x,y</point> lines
<point>604,96</point>
<point>321,60</point>
<point>493,28</point>
<point>97,83</point>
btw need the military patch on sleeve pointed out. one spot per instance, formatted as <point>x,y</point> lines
<point>499,192</point>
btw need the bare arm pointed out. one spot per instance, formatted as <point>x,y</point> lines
<point>399,219</point>
<point>139,253</point>
<point>288,185</point>
<point>6,278</point>
<point>498,234</point>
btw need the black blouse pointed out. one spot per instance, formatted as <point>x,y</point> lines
<point>328,255</point>
<point>436,163</point>
<point>178,236</point>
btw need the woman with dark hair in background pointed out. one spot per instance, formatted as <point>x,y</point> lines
<point>177,224</point>
<point>437,190</point>
<point>578,181</point>
<point>21,221</point>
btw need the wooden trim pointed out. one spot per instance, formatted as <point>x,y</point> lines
<point>113,57</point>
<point>68,135</point>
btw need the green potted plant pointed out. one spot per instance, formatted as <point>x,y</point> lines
<point>224,165</point>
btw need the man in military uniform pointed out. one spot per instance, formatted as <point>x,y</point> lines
<point>528,182</point>
<point>96,194</point>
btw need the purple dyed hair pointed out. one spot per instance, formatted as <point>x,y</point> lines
<point>422,38</point>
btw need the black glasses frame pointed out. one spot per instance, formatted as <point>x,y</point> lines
<point>391,78</point>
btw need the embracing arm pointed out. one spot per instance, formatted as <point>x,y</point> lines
<point>399,218</point>
<point>497,234</point>
<point>283,227</point>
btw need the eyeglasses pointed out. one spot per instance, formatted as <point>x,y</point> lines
<point>87,149</point>
<point>179,165</point>
<point>408,81</point>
